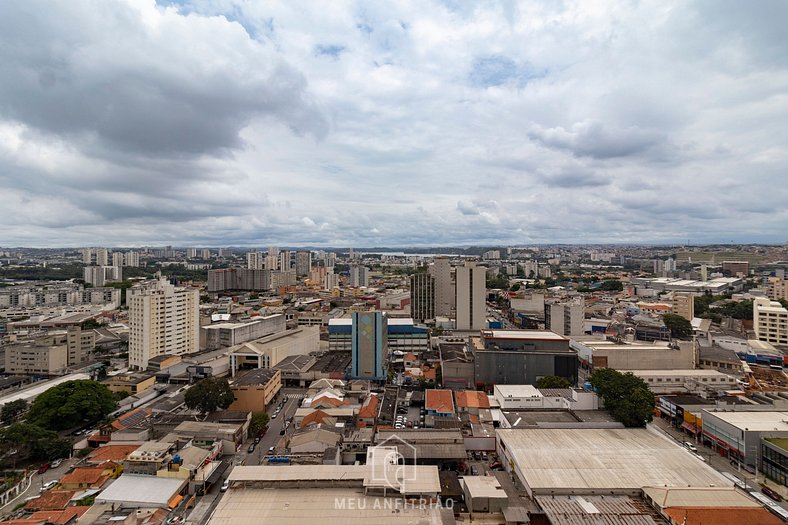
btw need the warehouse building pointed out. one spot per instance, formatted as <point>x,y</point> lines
<point>600,461</point>
<point>737,433</point>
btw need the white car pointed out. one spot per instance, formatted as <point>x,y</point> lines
<point>690,446</point>
<point>48,485</point>
<point>56,463</point>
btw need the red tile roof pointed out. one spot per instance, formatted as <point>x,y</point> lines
<point>723,516</point>
<point>472,399</point>
<point>369,410</point>
<point>111,453</point>
<point>439,401</point>
<point>60,516</point>
<point>314,418</point>
<point>94,477</point>
<point>51,500</point>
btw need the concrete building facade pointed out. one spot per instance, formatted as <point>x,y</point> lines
<point>422,296</point>
<point>369,345</point>
<point>770,321</point>
<point>471,297</point>
<point>444,287</point>
<point>163,319</point>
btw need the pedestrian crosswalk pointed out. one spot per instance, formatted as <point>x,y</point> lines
<point>295,396</point>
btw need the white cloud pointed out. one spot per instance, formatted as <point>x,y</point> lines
<point>243,122</point>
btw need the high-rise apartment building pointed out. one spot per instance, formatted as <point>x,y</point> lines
<point>284,260</point>
<point>87,255</point>
<point>283,279</point>
<point>255,260</point>
<point>471,296</point>
<point>191,253</point>
<point>205,254</point>
<point>770,321</point>
<point>271,262</point>
<point>777,288</point>
<point>369,346</point>
<point>100,275</point>
<point>359,276</point>
<point>330,281</point>
<point>444,287</point>
<point>273,251</point>
<point>102,257</point>
<point>132,259</point>
<point>684,304</point>
<point>163,320</point>
<point>117,259</point>
<point>565,318</point>
<point>303,263</point>
<point>422,296</point>
<point>239,279</point>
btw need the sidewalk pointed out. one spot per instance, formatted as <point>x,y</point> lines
<point>720,463</point>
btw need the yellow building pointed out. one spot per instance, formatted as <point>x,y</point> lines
<point>131,383</point>
<point>255,389</point>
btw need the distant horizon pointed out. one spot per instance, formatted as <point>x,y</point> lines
<point>405,248</point>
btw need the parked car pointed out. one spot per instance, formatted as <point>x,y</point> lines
<point>225,486</point>
<point>43,468</point>
<point>256,440</point>
<point>250,449</point>
<point>271,451</point>
<point>48,485</point>
<point>690,446</point>
<point>56,463</point>
<point>772,494</point>
<point>474,470</point>
<point>484,456</point>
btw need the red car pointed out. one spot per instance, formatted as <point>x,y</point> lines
<point>43,468</point>
<point>772,494</point>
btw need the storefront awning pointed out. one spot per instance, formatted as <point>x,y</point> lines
<point>690,427</point>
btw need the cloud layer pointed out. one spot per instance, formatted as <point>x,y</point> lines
<point>410,123</point>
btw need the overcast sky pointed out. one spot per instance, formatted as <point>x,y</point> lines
<point>399,124</point>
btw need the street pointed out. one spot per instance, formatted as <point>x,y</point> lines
<point>38,481</point>
<point>712,458</point>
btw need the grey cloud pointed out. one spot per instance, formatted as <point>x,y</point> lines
<point>186,87</point>
<point>466,208</point>
<point>596,140</point>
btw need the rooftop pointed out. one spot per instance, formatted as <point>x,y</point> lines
<point>135,491</point>
<point>755,421</point>
<point>249,506</point>
<point>255,377</point>
<point>595,460</point>
<point>540,335</point>
<point>440,401</point>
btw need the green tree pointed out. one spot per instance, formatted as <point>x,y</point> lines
<point>515,287</point>
<point>612,286</point>
<point>258,423</point>
<point>90,324</point>
<point>33,442</point>
<point>679,327</point>
<point>209,395</point>
<point>553,382</point>
<point>783,302</point>
<point>72,404</point>
<point>11,410</point>
<point>626,396</point>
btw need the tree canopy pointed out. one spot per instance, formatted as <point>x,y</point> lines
<point>258,423</point>
<point>626,396</point>
<point>33,442</point>
<point>71,404</point>
<point>11,410</point>
<point>209,395</point>
<point>552,382</point>
<point>679,327</point>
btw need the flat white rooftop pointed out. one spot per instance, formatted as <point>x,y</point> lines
<point>518,391</point>
<point>765,421</point>
<point>597,460</point>
<point>249,506</point>
<point>522,334</point>
<point>699,372</point>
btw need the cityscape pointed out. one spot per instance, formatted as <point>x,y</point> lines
<point>523,384</point>
<point>393,263</point>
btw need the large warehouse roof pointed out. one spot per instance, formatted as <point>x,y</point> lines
<point>594,460</point>
<point>248,506</point>
<point>141,491</point>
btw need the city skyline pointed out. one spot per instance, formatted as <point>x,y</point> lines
<point>402,125</point>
